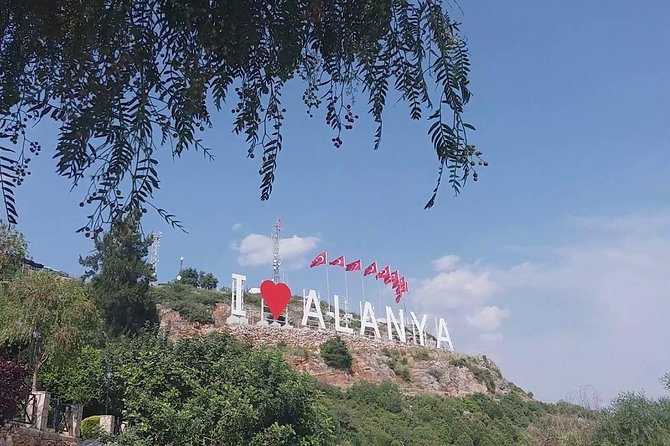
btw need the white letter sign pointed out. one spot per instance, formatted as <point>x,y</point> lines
<point>443,334</point>
<point>338,326</point>
<point>237,313</point>
<point>312,300</point>
<point>392,322</point>
<point>368,320</point>
<point>420,327</point>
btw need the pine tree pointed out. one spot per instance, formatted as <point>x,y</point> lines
<point>120,277</point>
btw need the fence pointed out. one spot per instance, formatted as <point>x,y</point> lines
<point>27,412</point>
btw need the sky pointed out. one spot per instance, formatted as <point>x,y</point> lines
<point>555,264</point>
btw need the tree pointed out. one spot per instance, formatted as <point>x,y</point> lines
<point>634,420</point>
<point>14,387</point>
<point>216,387</point>
<point>51,314</point>
<point>207,281</point>
<point>190,276</point>
<point>13,249</point>
<point>120,277</point>
<point>335,353</point>
<point>123,79</point>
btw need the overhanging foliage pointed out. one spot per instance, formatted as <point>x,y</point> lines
<point>126,78</point>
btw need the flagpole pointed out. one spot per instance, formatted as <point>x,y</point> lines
<point>362,286</point>
<point>327,284</point>
<point>379,294</point>
<point>346,289</point>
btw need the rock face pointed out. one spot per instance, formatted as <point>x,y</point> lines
<point>415,369</point>
<point>13,435</point>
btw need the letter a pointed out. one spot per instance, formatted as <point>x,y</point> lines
<point>443,334</point>
<point>307,312</point>
<point>368,320</point>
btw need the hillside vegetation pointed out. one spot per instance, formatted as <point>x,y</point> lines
<point>262,386</point>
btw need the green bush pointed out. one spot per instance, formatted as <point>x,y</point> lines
<point>421,354</point>
<point>435,373</point>
<point>90,427</point>
<point>397,363</point>
<point>177,393</point>
<point>193,304</point>
<point>635,420</point>
<point>385,396</point>
<point>458,362</point>
<point>484,376</point>
<point>193,312</point>
<point>336,354</point>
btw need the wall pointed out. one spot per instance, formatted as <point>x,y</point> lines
<point>15,435</point>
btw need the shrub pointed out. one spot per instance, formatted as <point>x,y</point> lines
<point>421,354</point>
<point>435,373</point>
<point>90,427</point>
<point>193,304</point>
<point>458,362</point>
<point>385,396</point>
<point>193,312</point>
<point>336,354</point>
<point>484,376</point>
<point>214,386</point>
<point>397,363</point>
<point>13,385</point>
<point>302,352</point>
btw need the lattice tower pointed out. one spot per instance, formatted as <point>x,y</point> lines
<point>276,257</point>
<point>154,251</point>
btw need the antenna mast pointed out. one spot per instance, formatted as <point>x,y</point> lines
<point>276,257</point>
<point>153,253</point>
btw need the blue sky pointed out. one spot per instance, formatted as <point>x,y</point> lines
<point>554,264</point>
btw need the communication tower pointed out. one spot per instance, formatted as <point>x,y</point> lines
<point>181,267</point>
<point>276,257</point>
<point>153,253</point>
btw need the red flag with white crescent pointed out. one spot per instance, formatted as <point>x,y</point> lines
<point>395,279</point>
<point>353,266</point>
<point>398,295</point>
<point>403,284</point>
<point>384,274</point>
<point>338,261</point>
<point>321,259</point>
<point>371,269</point>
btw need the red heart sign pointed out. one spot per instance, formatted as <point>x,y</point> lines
<point>276,296</point>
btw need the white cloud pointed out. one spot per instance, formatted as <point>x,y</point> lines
<point>256,250</point>
<point>236,227</point>
<point>593,310</point>
<point>461,292</point>
<point>487,319</point>
<point>446,263</point>
<point>461,287</point>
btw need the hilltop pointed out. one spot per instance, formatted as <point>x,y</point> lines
<point>187,311</point>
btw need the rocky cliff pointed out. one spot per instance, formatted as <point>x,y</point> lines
<point>415,369</point>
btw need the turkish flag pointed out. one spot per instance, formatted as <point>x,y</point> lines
<point>395,279</point>
<point>403,284</point>
<point>398,296</point>
<point>354,266</point>
<point>371,269</point>
<point>383,274</point>
<point>319,260</point>
<point>338,261</point>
